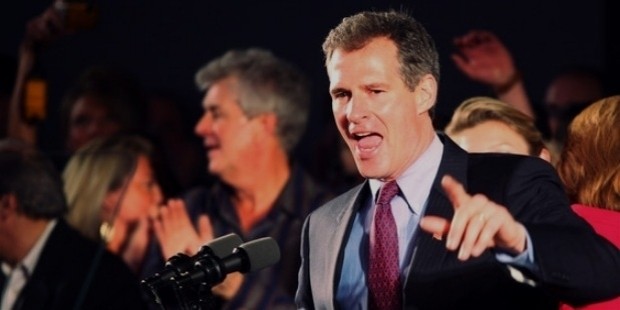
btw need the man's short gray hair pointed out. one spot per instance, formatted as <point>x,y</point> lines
<point>267,85</point>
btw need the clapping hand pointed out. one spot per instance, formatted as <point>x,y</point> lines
<point>175,231</point>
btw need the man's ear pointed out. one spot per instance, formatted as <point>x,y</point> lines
<point>269,122</point>
<point>426,93</point>
<point>8,205</point>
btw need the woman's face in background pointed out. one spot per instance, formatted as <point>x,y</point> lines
<point>141,194</point>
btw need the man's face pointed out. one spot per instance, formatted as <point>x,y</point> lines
<point>89,119</point>
<point>8,229</point>
<point>385,124</point>
<point>229,136</point>
<point>566,96</point>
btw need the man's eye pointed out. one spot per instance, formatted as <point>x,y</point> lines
<point>215,113</point>
<point>339,95</point>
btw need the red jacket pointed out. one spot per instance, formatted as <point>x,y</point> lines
<point>607,224</point>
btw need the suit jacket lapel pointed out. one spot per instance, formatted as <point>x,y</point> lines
<point>328,262</point>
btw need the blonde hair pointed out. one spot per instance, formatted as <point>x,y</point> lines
<point>477,110</point>
<point>589,165</point>
<point>99,167</point>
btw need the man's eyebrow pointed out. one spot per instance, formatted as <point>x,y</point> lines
<point>338,90</point>
<point>211,107</point>
<point>376,85</point>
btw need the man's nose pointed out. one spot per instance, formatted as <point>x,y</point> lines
<point>357,109</point>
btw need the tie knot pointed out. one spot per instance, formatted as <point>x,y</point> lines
<point>387,192</point>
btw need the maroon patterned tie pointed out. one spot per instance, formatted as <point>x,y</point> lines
<point>384,289</point>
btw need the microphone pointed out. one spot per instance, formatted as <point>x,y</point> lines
<point>180,263</point>
<point>248,257</point>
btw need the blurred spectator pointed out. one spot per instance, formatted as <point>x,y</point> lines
<point>590,170</point>
<point>103,101</point>
<point>40,31</point>
<point>45,263</point>
<point>111,189</point>
<point>568,93</point>
<point>483,124</point>
<point>179,152</point>
<point>255,111</point>
<point>484,58</point>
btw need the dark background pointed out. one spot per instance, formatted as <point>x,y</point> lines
<point>163,43</point>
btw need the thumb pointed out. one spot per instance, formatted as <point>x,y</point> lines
<point>435,225</point>
<point>461,63</point>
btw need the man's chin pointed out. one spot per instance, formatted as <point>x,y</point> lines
<point>369,172</point>
<point>370,167</point>
<point>213,169</point>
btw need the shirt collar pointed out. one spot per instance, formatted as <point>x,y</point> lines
<point>416,182</point>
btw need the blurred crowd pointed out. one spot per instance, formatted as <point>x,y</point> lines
<point>137,182</point>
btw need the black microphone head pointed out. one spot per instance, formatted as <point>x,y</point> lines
<point>224,245</point>
<point>261,253</point>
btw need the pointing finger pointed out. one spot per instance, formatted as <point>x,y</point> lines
<point>455,191</point>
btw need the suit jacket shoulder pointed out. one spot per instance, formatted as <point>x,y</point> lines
<point>74,270</point>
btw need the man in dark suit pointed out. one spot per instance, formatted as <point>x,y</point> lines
<point>412,236</point>
<point>45,263</point>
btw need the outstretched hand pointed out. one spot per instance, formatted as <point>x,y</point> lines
<point>45,27</point>
<point>478,224</point>
<point>483,58</point>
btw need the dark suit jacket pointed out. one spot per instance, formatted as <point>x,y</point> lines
<point>61,276</point>
<point>573,263</point>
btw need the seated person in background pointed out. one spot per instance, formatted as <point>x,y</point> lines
<point>590,170</point>
<point>111,188</point>
<point>46,264</point>
<point>255,111</point>
<point>487,125</point>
